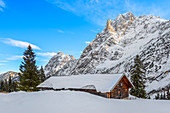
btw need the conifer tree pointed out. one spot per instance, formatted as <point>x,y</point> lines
<point>164,96</point>
<point>6,86</point>
<point>29,78</point>
<point>2,85</point>
<point>138,78</point>
<point>149,97</point>
<point>157,96</point>
<point>42,75</point>
<point>14,86</point>
<point>168,95</point>
<point>9,84</point>
<point>161,96</point>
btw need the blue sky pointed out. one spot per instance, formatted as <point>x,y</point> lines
<point>51,26</point>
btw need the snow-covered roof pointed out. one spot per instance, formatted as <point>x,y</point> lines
<point>100,82</point>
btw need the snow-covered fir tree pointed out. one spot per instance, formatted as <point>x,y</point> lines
<point>29,78</point>
<point>42,75</point>
<point>138,78</point>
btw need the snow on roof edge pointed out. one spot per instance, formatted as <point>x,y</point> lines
<point>102,82</point>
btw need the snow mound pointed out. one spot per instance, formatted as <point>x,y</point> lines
<point>76,102</point>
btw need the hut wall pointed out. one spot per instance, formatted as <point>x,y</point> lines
<point>121,90</point>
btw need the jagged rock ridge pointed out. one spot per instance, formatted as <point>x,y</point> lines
<point>56,63</point>
<point>114,49</point>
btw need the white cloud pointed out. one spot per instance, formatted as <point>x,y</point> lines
<point>47,54</point>
<point>98,11</point>
<point>2,5</point>
<point>2,64</point>
<point>95,31</point>
<point>3,61</point>
<point>60,31</point>
<point>15,57</point>
<point>43,60</point>
<point>95,11</point>
<point>87,42</point>
<point>18,43</point>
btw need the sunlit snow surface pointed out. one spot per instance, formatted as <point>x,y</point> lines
<point>76,102</point>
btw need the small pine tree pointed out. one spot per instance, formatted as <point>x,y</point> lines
<point>29,78</point>
<point>161,96</point>
<point>157,96</point>
<point>6,86</point>
<point>42,75</point>
<point>138,78</point>
<point>2,85</point>
<point>10,84</point>
<point>149,97</point>
<point>168,95</point>
<point>164,96</point>
<point>14,86</point>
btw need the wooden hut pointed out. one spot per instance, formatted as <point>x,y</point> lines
<point>106,85</point>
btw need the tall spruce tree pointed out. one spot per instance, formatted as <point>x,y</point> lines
<point>29,78</point>
<point>9,84</point>
<point>14,86</point>
<point>42,75</point>
<point>168,95</point>
<point>6,85</point>
<point>2,86</point>
<point>138,78</point>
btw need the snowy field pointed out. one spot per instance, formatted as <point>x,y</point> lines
<point>76,102</point>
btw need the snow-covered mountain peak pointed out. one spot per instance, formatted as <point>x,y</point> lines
<point>114,49</point>
<point>5,76</point>
<point>56,63</point>
<point>125,16</point>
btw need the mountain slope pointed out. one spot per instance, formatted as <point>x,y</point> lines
<point>56,63</point>
<point>5,76</point>
<point>114,49</point>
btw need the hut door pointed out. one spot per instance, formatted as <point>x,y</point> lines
<point>119,93</point>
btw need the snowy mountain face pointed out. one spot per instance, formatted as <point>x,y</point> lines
<point>57,62</point>
<point>114,49</point>
<point>5,76</point>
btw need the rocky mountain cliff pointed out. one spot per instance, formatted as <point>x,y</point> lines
<point>57,62</point>
<point>5,76</point>
<point>114,49</point>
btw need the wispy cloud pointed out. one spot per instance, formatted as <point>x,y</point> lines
<point>2,5</point>
<point>145,8</point>
<point>64,31</point>
<point>98,11</point>
<point>2,64</point>
<point>3,61</point>
<point>43,60</point>
<point>47,54</point>
<point>16,57</point>
<point>95,31</point>
<point>18,43</point>
<point>87,42</point>
<point>60,31</point>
